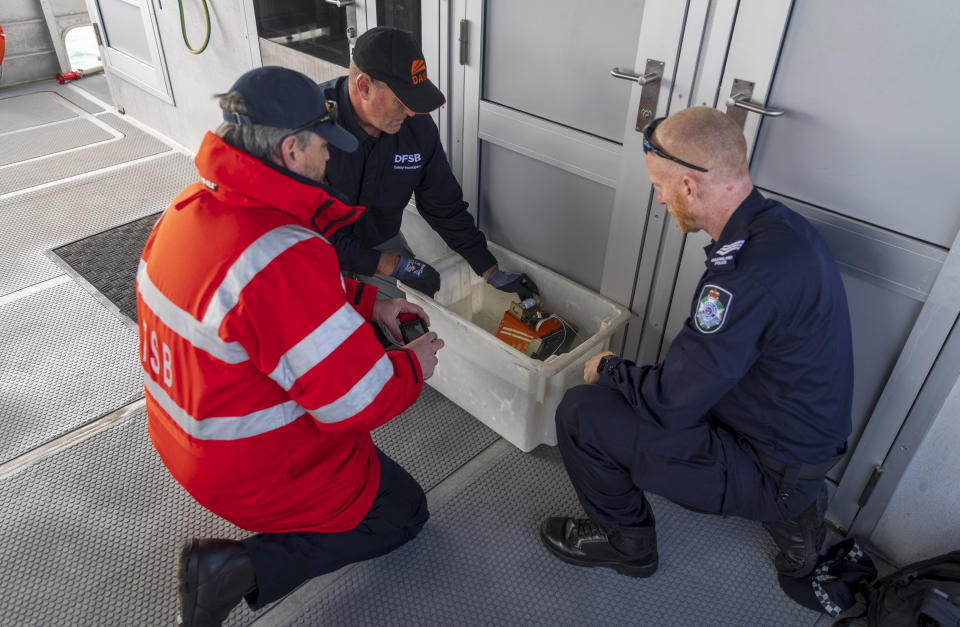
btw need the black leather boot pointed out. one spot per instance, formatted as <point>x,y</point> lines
<point>800,539</point>
<point>214,576</point>
<point>629,550</point>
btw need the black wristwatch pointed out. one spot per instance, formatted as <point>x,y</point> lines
<point>606,364</point>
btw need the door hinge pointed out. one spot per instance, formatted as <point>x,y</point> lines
<point>464,25</point>
<point>871,484</point>
<point>96,32</point>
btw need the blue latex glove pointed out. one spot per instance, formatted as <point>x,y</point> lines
<point>519,284</point>
<point>418,275</point>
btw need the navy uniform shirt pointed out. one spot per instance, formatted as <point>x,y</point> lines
<point>767,348</point>
<point>382,174</point>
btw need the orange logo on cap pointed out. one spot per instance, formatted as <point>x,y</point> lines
<point>418,71</point>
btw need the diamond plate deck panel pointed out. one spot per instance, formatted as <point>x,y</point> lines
<point>89,536</point>
<point>52,87</point>
<point>64,361</point>
<point>48,140</point>
<point>37,221</point>
<point>18,111</point>
<point>133,145</point>
<point>478,562</point>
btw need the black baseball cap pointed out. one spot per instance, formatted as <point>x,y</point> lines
<point>392,56</point>
<point>283,98</point>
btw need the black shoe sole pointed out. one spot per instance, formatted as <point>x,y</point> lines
<point>188,567</point>
<point>629,569</point>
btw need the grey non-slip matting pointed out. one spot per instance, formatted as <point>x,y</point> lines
<point>108,261</point>
<point>133,145</point>
<point>35,222</point>
<point>478,561</point>
<point>64,361</point>
<point>89,536</point>
<point>31,143</point>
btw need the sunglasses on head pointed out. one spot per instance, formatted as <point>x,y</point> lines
<point>330,115</point>
<point>648,146</point>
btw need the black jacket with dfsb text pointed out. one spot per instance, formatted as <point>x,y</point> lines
<point>382,174</point>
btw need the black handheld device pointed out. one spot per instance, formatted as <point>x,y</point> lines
<point>412,326</point>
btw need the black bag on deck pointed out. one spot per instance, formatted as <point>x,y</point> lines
<point>924,593</point>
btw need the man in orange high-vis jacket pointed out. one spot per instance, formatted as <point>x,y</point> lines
<point>263,378</point>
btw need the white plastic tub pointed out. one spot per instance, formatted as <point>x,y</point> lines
<point>511,393</point>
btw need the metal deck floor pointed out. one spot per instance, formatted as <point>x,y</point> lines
<point>90,519</point>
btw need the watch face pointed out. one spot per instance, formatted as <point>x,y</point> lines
<point>602,366</point>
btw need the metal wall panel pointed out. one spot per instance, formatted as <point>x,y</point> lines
<point>19,10</point>
<point>544,213</point>
<point>30,53</point>
<point>871,127</point>
<point>28,37</point>
<point>562,72</point>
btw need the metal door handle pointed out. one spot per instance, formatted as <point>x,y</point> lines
<point>627,75</point>
<point>742,100</point>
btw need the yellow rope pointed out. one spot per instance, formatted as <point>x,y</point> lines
<point>183,28</point>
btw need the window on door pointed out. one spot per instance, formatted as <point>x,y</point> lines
<point>130,44</point>
<point>313,27</point>
<point>402,14</point>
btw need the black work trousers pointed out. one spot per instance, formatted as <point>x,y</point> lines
<point>283,561</point>
<point>612,455</point>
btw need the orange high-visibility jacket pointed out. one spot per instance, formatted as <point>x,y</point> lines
<point>262,377</point>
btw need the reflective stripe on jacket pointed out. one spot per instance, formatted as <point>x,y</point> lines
<point>262,377</point>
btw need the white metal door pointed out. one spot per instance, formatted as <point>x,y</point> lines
<point>546,128</point>
<point>130,44</point>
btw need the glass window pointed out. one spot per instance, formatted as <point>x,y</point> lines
<point>124,29</point>
<point>82,50</point>
<point>310,26</point>
<point>402,14</point>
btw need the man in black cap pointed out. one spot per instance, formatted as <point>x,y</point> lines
<point>384,102</point>
<point>262,377</point>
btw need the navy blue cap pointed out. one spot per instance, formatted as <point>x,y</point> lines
<point>283,98</point>
<point>833,585</point>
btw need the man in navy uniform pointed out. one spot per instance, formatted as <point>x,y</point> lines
<point>751,406</point>
<point>383,103</point>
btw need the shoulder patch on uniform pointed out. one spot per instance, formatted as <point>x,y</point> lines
<point>725,254</point>
<point>713,308</point>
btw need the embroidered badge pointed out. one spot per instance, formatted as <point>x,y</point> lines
<point>713,306</point>
<point>725,254</point>
<point>729,248</point>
